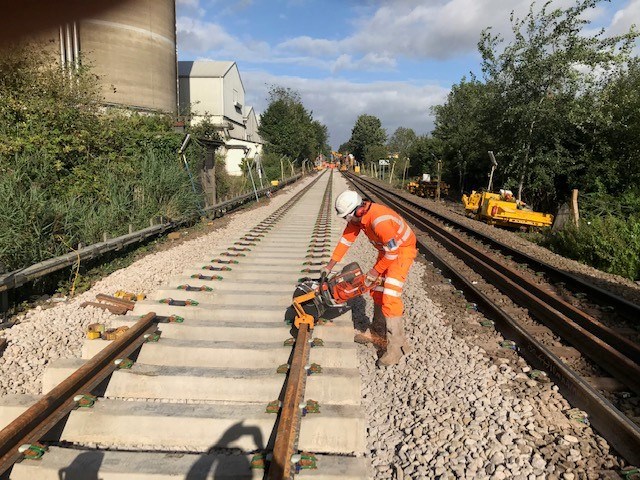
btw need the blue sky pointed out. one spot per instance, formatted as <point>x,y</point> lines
<point>394,59</point>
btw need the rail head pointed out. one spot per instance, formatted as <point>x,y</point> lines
<point>41,417</point>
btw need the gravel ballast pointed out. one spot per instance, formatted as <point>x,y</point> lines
<point>450,411</point>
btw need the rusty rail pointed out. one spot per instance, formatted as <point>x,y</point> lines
<point>41,417</point>
<point>613,425</point>
<point>289,421</point>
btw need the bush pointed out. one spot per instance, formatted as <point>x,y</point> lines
<point>607,243</point>
<point>39,223</point>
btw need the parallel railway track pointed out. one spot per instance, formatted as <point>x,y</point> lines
<point>220,390</point>
<point>603,345</point>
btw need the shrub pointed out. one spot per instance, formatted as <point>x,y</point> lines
<point>608,243</point>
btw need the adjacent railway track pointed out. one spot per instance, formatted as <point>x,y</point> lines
<point>603,345</point>
<point>207,379</point>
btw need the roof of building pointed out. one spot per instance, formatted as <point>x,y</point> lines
<point>204,68</point>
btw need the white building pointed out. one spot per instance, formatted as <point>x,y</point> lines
<point>214,89</point>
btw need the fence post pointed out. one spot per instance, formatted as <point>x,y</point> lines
<point>574,208</point>
<point>4,296</point>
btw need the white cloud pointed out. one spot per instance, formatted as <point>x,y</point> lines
<point>624,18</point>
<point>337,103</point>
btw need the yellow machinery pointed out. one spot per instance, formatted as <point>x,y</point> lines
<point>426,189</point>
<point>503,210</point>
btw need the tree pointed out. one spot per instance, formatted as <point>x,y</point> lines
<point>539,76</point>
<point>321,139</point>
<point>366,132</point>
<point>423,154</point>
<point>345,147</point>
<point>401,141</point>
<point>287,126</point>
<point>464,125</point>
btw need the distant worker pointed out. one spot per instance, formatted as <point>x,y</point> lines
<point>396,245</point>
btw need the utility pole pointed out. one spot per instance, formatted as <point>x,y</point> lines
<point>494,164</point>
<point>391,174</point>
<point>404,170</point>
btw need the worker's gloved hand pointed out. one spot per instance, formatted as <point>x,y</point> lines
<point>371,278</point>
<point>327,268</point>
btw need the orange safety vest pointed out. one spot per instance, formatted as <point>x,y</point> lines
<point>386,230</point>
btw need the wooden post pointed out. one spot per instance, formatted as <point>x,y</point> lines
<point>281,169</point>
<point>391,174</point>
<point>574,207</point>
<point>208,175</point>
<point>438,182</point>
<point>404,170</point>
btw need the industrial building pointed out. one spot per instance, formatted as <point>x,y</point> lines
<point>214,90</point>
<point>131,47</point>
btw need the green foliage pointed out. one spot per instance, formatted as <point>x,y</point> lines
<point>402,141</point>
<point>367,132</point>
<point>373,153</point>
<point>607,243</point>
<point>70,169</point>
<point>288,127</point>
<point>423,154</point>
<point>546,107</point>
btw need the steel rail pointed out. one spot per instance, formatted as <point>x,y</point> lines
<point>613,425</point>
<point>625,307</point>
<point>41,417</point>
<point>612,357</point>
<point>289,422</point>
<point>288,426</point>
<point>624,345</point>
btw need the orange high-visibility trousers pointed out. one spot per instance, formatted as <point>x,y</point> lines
<point>389,294</point>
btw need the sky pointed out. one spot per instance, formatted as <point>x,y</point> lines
<point>394,59</point>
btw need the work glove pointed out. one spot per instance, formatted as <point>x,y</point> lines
<point>372,278</point>
<point>326,270</point>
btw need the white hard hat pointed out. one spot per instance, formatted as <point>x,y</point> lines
<point>347,202</point>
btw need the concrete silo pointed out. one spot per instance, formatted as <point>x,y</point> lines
<point>132,48</point>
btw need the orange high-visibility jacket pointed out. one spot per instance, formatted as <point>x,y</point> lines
<point>386,230</point>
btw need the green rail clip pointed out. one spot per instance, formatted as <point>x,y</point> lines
<point>259,461</point>
<point>289,342</point>
<point>306,461</point>
<point>152,337</point>
<point>32,451</point>
<point>311,407</point>
<point>509,344</point>
<point>630,473</point>
<point>578,415</point>
<point>539,376</point>
<point>314,368</point>
<point>199,276</point>
<point>283,369</point>
<point>175,319</point>
<point>85,401</point>
<point>124,363</point>
<point>487,323</point>
<point>273,406</point>
<point>317,342</point>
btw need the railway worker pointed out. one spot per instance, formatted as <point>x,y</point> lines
<point>396,245</point>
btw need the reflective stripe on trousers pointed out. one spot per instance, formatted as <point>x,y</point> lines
<point>389,295</point>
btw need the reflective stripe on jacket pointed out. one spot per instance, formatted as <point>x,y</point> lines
<point>386,230</point>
